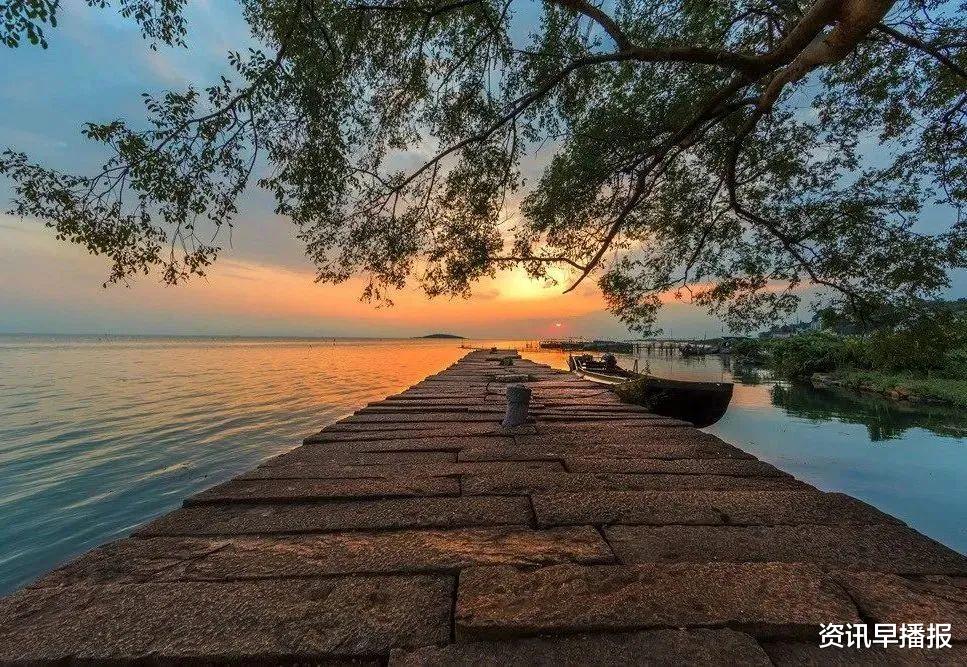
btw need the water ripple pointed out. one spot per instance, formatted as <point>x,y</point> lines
<point>100,434</point>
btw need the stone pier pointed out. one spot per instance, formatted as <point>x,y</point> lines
<point>420,532</point>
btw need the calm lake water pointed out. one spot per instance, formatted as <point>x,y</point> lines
<point>100,434</point>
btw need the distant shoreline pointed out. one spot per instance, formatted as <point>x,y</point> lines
<point>203,336</point>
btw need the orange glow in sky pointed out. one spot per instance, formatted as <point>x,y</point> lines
<point>63,282</point>
<point>51,287</point>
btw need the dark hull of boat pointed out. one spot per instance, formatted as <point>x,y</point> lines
<point>701,403</point>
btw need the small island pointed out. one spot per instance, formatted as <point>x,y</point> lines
<point>443,335</point>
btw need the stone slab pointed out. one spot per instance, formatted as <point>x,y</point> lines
<point>416,418</point>
<point>701,450</point>
<point>359,432</point>
<point>407,421</point>
<point>794,654</point>
<point>884,598</point>
<point>425,402</point>
<point>455,409</point>
<point>561,386</point>
<point>364,458</point>
<point>608,421</point>
<point>658,648</point>
<point>879,547</point>
<point>419,394</point>
<point>244,519</point>
<point>766,599</point>
<point>284,490</point>
<point>320,453</point>
<point>385,552</point>
<point>434,469</point>
<point>529,481</point>
<point>547,392</point>
<point>391,444</point>
<point>446,383</point>
<point>587,403</point>
<point>632,435</point>
<point>612,412</point>
<point>641,420</point>
<point>499,409</point>
<point>735,467</point>
<point>736,507</point>
<point>591,405</point>
<point>266,621</point>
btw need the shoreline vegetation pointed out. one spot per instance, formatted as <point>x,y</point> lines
<point>923,361</point>
<point>906,387</point>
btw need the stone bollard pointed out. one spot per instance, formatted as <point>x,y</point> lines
<point>518,400</point>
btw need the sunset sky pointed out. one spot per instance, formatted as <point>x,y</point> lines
<point>95,70</point>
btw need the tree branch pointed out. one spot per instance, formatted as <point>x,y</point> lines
<point>915,43</point>
<point>710,111</point>
<point>596,14</point>
<point>429,11</point>
<point>852,22</point>
<point>788,244</point>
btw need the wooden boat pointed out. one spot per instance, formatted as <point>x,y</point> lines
<point>701,403</point>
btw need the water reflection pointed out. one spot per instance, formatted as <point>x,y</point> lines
<point>908,460</point>
<point>746,374</point>
<point>884,419</point>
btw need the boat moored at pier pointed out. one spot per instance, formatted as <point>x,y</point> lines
<point>701,403</point>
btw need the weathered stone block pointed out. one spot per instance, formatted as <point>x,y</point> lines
<point>527,481</point>
<point>266,621</point>
<point>413,418</point>
<point>305,455</point>
<point>659,647</point>
<point>393,432</point>
<point>795,654</point>
<point>436,469</point>
<point>469,422</point>
<point>384,552</point>
<point>631,451</point>
<point>586,417</point>
<point>443,443</point>
<point>885,598</point>
<point>879,547</point>
<point>241,519</point>
<point>723,466</point>
<point>711,507</point>
<point>282,490</point>
<point>654,440</point>
<point>767,599</point>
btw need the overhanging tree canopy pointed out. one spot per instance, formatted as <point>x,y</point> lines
<point>740,149</point>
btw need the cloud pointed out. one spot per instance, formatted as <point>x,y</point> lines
<point>49,286</point>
